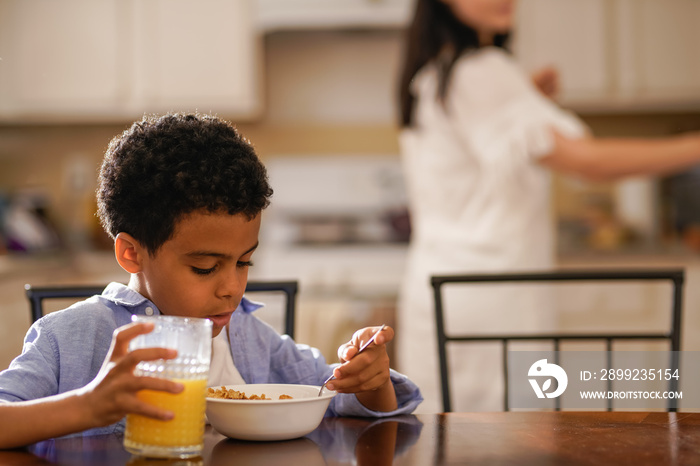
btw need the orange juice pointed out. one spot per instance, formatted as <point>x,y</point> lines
<point>183,434</point>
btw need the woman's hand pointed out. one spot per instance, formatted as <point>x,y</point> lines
<point>546,80</point>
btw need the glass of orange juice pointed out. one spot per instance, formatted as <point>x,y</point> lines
<point>182,436</point>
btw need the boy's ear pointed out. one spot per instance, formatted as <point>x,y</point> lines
<point>129,252</point>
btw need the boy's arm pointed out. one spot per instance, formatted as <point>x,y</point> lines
<point>25,422</point>
<point>366,374</point>
<point>105,400</point>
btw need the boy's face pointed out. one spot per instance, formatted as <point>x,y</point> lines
<point>203,270</point>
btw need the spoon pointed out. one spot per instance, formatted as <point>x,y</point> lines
<point>362,348</point>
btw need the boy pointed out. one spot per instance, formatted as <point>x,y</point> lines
<point>182,196</point>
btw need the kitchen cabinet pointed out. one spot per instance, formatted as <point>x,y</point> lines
<point>570,35</point>
<point>60,58</point>
<point>659,57</point>
<point>196,55</point>
<point>332,14</point>
<point>81,60</point>
<point>615,55</point>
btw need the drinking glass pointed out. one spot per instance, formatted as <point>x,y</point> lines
<point>182,436</point>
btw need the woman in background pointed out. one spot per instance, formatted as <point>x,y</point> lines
<point>478,139</point>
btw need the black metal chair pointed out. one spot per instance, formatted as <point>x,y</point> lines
<point>37,294</point>
<point>672,335</point>
<point>290,289</point>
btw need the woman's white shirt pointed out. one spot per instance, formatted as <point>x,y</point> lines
<point>479,202</point>
<point>469,163</point>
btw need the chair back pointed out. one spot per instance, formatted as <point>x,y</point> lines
<point>672,334</point>
<point>38,294</point>
<point>287,289</point>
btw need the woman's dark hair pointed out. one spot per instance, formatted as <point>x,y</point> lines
<point>435,34</point>
<point>163,168</point>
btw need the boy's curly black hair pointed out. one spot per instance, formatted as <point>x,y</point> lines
<point>163,168</point>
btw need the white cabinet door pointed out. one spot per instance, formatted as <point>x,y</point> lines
<point>660,52</point>
<point>81,60</point>
<point>274,15</point>
<point>196,56</point>
<point>572,36</point>
<point>60,58</point>
<point>615,55</point>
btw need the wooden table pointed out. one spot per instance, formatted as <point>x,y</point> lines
<point>551,438</point>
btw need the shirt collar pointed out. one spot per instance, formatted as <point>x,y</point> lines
<point>123,295</point>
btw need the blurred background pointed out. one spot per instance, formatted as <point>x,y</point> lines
<point>312,84</point>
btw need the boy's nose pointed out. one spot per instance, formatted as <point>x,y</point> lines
<point>232,286</point>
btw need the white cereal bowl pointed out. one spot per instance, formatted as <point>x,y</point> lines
<point>273,419</point>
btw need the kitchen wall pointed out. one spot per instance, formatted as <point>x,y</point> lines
<point>326,94</point>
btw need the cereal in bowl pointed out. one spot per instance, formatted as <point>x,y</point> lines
<point>229,394</point>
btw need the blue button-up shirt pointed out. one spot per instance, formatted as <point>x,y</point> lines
<point>65,350</point>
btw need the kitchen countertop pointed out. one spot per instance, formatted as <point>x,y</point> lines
<point>650,257</point>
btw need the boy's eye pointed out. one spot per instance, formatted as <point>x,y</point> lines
<point>244,263</point>
<point>199,271</point>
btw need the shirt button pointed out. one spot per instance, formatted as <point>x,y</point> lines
<point>149,311</point>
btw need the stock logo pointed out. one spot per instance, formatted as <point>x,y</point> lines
<point>543,369</point>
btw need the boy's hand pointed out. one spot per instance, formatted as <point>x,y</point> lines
<point>366,374</point>
<point>112,394</point>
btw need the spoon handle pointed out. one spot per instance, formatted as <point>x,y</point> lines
<point>372,338</point>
